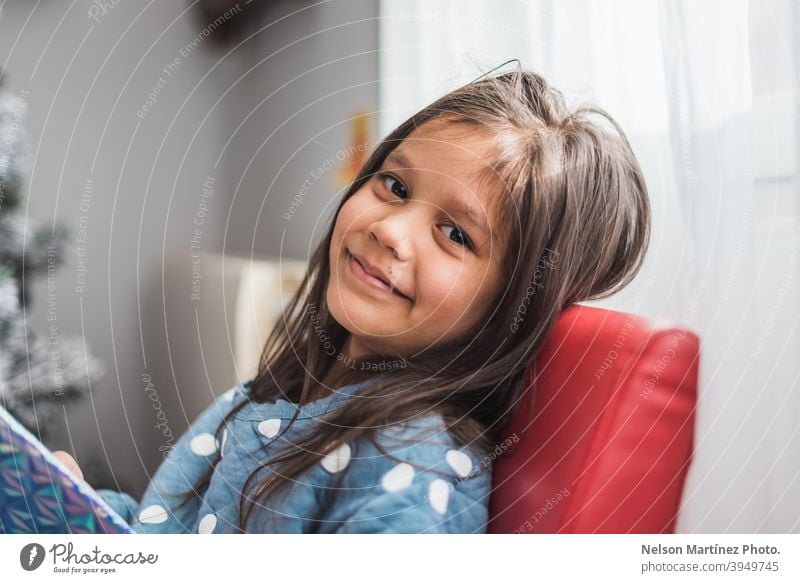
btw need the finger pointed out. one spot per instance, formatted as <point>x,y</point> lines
<point>70,462</point>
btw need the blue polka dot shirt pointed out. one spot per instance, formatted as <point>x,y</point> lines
<point>432,487</point>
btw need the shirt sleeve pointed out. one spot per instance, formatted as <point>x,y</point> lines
<point>432,487</point>
<point>123,504</point>
<point>177,473</point>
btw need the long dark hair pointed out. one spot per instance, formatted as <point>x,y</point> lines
<point>576,219</point>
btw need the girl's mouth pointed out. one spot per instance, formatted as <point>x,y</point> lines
<point>373,282</point>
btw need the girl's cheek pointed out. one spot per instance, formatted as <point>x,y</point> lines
<point>354,212</point>
<point>344,218</point>
<point>442,286</point>
<point>457,294</point>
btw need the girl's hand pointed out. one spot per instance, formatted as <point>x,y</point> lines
<point>70,462</point>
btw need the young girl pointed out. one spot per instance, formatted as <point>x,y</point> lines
<point>401,357</point>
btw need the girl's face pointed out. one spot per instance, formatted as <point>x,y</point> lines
<point>415,256</point>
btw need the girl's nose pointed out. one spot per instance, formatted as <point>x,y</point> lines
<point>392,232</point>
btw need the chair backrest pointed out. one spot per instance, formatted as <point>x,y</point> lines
<point>602,439</point>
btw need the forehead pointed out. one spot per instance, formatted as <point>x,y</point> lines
<point>446,144</point>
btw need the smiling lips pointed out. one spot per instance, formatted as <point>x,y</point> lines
<point>371,276</point>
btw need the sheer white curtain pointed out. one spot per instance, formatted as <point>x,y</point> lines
<point>677,76</point>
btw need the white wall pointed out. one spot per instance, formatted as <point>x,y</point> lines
<point>304,73</point>
<point>312,87</point>
<point>86,81</point>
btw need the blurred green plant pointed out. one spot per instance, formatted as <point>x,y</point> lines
<point>38,375</point>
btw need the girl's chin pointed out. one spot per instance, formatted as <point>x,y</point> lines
<point>368,321</point>
<point>363,325</point>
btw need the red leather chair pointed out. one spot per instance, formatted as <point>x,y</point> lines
<point>602,439</point>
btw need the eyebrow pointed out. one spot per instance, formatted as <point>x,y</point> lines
<point>469,213</point>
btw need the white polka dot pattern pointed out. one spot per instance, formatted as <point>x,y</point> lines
<point>269,428</point>
<point>460,462</point>
<point>337,460</point>
<point>405,474</point>
<point>203,444</point>
<point>439,495</point>
<point>224,439</point>
<point>207,524</point>
<point>398,478</point>
<point>153,514</point>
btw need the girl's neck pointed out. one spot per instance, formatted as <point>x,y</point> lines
<point>338,376</point>
<point>341,373</point>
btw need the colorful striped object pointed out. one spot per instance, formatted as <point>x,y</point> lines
<point>39,495</point>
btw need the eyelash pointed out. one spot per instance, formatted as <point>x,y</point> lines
<point>382,178</point>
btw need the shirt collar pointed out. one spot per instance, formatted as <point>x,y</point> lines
<point>285,410</point>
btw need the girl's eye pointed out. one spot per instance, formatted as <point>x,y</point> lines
<point>461,237</point>
<point>394,186</point>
